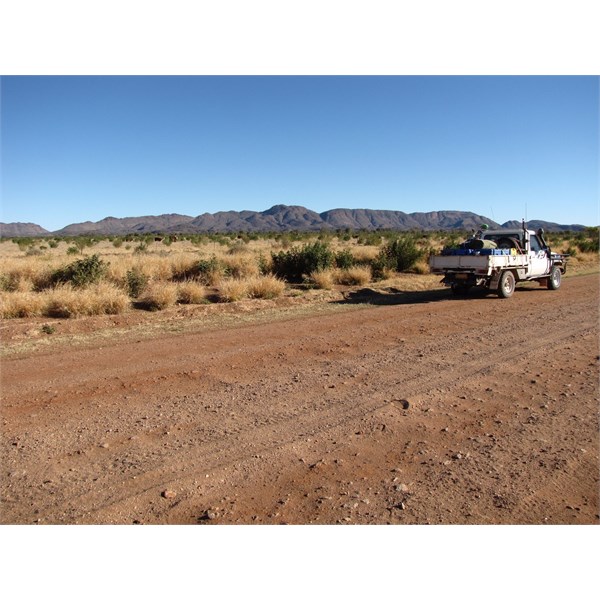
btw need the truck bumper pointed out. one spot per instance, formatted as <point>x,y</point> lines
<point>463,279</point>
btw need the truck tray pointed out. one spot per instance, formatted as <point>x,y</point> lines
<point>482,252</point>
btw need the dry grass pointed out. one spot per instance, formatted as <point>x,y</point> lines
<point>411,282</point>
<point>241,265</point>
<point>23,274</point>
<point>354,276</point>
<point>16,305</point>
<point>364,254</point>
<point>232,290</point>
<point>265,286</point>
<point>64,302</point>
<point>422,267</point>
<point>100,299</point>
<point>323,280</point>
<point>177,275</point>
<point>158,296</point>
<point>191,292</point>
<point>182,265</point>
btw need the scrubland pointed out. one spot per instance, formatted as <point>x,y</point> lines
<point>73,277</point>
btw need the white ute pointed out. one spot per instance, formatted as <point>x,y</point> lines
<point>498,259</point>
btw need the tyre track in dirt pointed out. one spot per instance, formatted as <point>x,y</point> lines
<point>314,420</point>
<point>343,371</point>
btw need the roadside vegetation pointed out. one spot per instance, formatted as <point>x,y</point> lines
<point>92,275</point>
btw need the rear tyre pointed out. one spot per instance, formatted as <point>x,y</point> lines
<point>506,287</point>
<point>554,279</point>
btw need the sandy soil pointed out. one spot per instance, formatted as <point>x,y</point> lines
<point>381,408</point>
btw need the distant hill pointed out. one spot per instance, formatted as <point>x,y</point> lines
<point>8,230</point>
<point>114,226</point>
<point>545,225</point>
<point>278,218</point>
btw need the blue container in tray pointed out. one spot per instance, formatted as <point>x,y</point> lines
<point>495,252</point>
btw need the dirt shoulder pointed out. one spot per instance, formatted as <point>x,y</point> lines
<point>378,407</point>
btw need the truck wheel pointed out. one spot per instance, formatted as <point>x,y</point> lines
<point>506,287</point>
<point>554,279</point>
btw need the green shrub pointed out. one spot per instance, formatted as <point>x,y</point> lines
<point>117,243</point>
<point>82,272</point>
<point>72,250</point>
<point>399,255</point>
<point>136,282</point>
<point>24,243</point>
<point>263,264</point>
<point>370,238</point>
<point>296,263</point>
<point>590,245</point>
<point>344,259</point>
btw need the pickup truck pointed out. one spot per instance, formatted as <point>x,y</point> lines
<point>498,259</point>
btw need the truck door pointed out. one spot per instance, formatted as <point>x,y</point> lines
<point>539,261</point>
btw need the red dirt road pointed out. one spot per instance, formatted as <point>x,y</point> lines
<point>407,408</point>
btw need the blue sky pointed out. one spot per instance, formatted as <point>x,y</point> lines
<point>83,148</point>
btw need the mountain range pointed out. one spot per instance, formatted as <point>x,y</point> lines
<point>277,218</point>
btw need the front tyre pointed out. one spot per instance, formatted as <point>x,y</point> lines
<point>506,286</point>
<point>554,279</point>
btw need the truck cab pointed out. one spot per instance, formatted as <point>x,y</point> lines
<point>527,242</point>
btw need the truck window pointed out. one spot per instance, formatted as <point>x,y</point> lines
<point>535,244</point>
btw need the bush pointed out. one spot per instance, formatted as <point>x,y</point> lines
<point>294,264</point>
<point>588,245</point>
<point>344,259</point>
<point>82,272</point>
<point>264,264</point>
<point>136,282</point>
<point>399,255</point>
<point>209,271</point>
